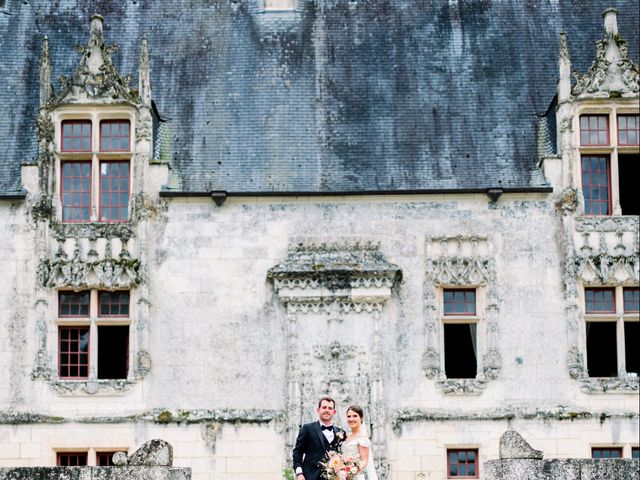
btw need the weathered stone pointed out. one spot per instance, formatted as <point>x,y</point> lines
<point>512,445</point>
<point>155,452</point>
<point>119,459</point>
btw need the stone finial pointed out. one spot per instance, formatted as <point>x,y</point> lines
<point>610,21</point>
<point>154,453</point>
<point>144,76</point>
<point>45,73</point>
<point>564,64</point>
<point>95,59</point>
<point>613,73</point>
<point>512,445</point>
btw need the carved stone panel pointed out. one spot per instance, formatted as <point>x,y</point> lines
<point>461,261</point>
<point>334,297</point>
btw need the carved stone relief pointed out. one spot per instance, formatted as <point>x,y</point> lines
<point>464,261</point>
<point>612,74</point>
<point>83,271</point>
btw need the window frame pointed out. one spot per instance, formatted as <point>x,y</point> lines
<point>612,448</point>
<point>612,151</point>
<point>80,121</point>
<point>461,319</point>
<point>92,321</point>
<point>68,453</point>
<point>466,450</point>
<point>618,316</point>
<point>96,156</point>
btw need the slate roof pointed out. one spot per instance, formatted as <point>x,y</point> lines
<point>341,96</point>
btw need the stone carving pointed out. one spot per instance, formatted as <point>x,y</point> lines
<point>461,270</point>
<point>461,261</point>
<point>602,385</point>
<point>45,73</point>
<point>334,357</point>
<point>143,364</point>
<point>78,272</point>
<point>472,386</point>
<point>628,223</point>
<point>568,202</point>
<point>612,74</point>
<point>89,387</point>
<point>145,207</point>
<point>512,445</point>
<point>431,363</point>
<point>45,128</point>
<point>96,77</point>
<point>95,230</point>
<point>321,274</point>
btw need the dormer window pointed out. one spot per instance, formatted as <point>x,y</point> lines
<point>95,166</point>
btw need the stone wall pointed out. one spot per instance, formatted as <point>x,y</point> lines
<point>519,461</point>
<point>152,461</point>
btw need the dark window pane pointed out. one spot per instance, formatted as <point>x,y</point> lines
<point>602,360</point>
<point>460,350</point>
<point>628,173</point>
<point>113,352</point>
<point>631,342</point>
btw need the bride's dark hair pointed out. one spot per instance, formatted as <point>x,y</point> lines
<point>358,410</point>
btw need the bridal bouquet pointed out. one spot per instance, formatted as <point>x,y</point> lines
<point>339,467</point>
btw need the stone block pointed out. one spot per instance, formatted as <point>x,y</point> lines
<point>512,445</point>
<point>610,469</point>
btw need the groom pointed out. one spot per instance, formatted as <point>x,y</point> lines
<point>315,440</point>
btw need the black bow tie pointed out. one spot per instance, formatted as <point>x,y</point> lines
<point>323,427</point>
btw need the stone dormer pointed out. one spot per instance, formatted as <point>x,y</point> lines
<point>598,134</point>
<point>91,194</point>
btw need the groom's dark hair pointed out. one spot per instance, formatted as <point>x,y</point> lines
<point>327,399</point>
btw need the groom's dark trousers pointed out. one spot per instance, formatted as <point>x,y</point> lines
<point>311,448</point>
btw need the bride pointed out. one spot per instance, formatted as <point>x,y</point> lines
<point>358,445</point>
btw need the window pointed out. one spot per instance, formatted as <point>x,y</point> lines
<point>606,452</point>
<point>609,163</point>
<point>74,352</point>
<point>594,130</point>
<point>104,459</point>
<point>91,456</point>
<point>114,136</point>
<point>635,452</point>
<point>595,185</point>
<point>71,459</point>
<point>628,128</point>
<point>612,330</point>
<point>76,191</point>
<point>76,136</point>
<point>114,191</point>
<point>462,463</point>
<point>93,329</point>
<point>460,333</point>
<point>95,170</point>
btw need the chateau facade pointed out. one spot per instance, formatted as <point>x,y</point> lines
<point>411,206</point>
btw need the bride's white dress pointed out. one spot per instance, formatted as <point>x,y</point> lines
<point>350,448</point>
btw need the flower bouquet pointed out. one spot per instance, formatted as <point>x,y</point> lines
<point>339,467</point>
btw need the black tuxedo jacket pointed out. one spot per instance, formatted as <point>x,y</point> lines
<point>311,448</point>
